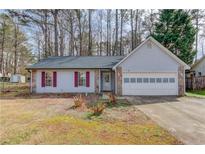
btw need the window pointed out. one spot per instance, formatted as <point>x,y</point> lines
<point>81,79</point>
<point>171,80</point>
<point>152,80</point>
<point>165,80</point>
<point>139,80</point>
<point>159,80</point>
<point>48,79</point>
<point>107,77</point>
<point>199,73</point>
<point>126,80</point>
<point>133,80</point>
<point>145,80</point>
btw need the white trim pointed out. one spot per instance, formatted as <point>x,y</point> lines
<point>160,46</point>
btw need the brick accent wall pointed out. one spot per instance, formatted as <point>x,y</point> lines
<point>34,81</point>
<point>119,80</point>
<point>97,81</point>
<point>181,81</point>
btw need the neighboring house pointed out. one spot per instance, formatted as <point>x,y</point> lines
<point>17,78</point>
<point>198,68</point>
<point>150,69</point>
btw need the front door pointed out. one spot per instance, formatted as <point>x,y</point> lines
<point>106,80</point>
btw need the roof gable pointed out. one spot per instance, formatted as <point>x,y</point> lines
<point>160,46</point>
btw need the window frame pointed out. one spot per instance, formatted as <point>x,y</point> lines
<point>159,79</point>
<point>83,73</point>
<point>165,79</point>
<point>50,75</point>
<point>171,79</point>
<point>128,80</point>
<point>139,79</point>
<point>150,80</point>
<point>132,80</point>
<point>145,79</point>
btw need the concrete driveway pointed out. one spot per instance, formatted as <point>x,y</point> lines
<point>183,117</point>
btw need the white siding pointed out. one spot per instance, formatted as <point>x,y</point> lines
<point>200,68</point>
<point>149,59</point>
<point>65,82</point>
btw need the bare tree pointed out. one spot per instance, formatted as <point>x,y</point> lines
<point>90,32</point>
<point>116,33</point>
<point>108,32</point>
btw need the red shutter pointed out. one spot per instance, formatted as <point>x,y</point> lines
<point>42,79</point>
<point>76,79</point>
<point>54,79</point>
<point>87,79</point>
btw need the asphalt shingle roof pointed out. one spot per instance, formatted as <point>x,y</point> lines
<point>77,62</point>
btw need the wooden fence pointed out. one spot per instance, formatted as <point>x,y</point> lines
<point>195,83</point>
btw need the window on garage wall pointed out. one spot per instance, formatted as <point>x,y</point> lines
<point>159,80</point>
<point>165,80</point>
<point>145,80</point>
<point>171,80</point>
<point>139,80</point>
<point>133,80</point>
<point>152,80</point>
<point>126,80</point>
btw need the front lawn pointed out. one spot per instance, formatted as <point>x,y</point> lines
<point>196,93</point>
<point>37,120</point>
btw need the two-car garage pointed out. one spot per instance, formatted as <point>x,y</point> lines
<point>149,83</point>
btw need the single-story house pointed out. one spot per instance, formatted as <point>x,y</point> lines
<point>150,69</point>
<point>198,68</point>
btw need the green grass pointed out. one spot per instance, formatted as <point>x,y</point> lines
<point>196,93</point>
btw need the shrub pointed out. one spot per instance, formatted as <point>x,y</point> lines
<point>98,108</point>
<point>112,98</point>
<point>79,101</point>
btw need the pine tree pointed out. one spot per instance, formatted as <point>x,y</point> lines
<point>177,33</point>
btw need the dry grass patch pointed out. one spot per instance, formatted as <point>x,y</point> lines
<point>51,120</point>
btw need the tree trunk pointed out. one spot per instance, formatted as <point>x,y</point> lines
<point>101,23</point>
<point>116,33</point>
<point>62,45</point>
<point>132,31</point>
<point>197,32</point>
<point>78,12</point>
<point>15,47</point>
<point>39,49</point>
<point>108,32</point>
<point>55,16</point>
<point>121,30</point>
<point>2,49</point>
<point>45,33</point>
<point>136,28</point>
<point>90,32</point>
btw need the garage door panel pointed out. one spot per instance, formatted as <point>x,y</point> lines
<point>150,87</point>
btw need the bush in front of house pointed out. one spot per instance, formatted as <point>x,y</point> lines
<point>98,108</point>
<point>79,101</point>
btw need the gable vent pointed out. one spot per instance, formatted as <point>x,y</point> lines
<point>149,44</point>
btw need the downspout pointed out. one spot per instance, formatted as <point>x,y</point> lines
<point>114,69</point>
<point>30,71</point>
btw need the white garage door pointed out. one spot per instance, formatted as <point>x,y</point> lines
<point>150,84</point>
